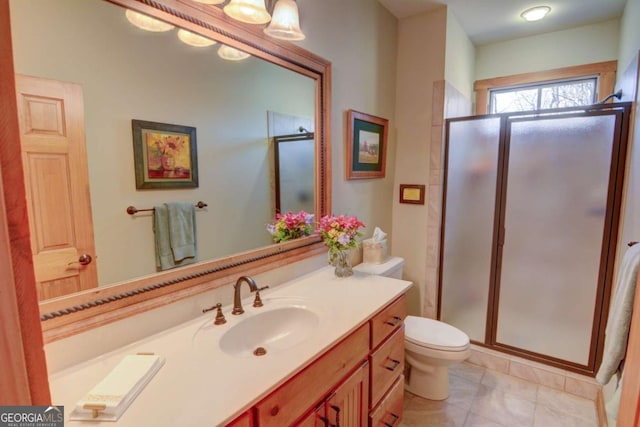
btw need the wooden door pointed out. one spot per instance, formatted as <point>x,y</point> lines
<point>349,404</point>
<point>52,141</point>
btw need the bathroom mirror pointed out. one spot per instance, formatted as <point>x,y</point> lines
<point>158,78</point>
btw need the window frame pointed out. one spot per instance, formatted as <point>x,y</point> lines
<point>604,71</point>
<point>539,87</point>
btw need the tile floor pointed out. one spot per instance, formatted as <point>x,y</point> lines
<point>481,397</point>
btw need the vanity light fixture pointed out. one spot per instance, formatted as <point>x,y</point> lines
<point>231,54</point>
<point>248,11</point>
<point>535,13</point>
<point>147,23</point>
<point>285,23</point>
<point>193,39</point>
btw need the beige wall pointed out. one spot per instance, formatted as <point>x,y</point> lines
<point>359,38</point>
<point>459,68</point>
<point>629,35</point>
<point>576,46</point>
<point>421,63</point>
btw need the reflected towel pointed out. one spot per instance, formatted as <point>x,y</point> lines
<point>119,388</point>
<point>619,320</point>
<point>175,241</point>
<point>182,231</point>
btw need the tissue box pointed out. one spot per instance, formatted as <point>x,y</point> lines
<point>374,252</point>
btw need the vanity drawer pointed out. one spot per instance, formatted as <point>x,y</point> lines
<point>385,322</point>
<point>293,399</point>
<point>244,420</point>
<point>387,364</point>
<point>389,411</point>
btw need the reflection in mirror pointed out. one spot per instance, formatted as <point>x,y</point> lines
<point>293,160</point>
<point>127,73</point>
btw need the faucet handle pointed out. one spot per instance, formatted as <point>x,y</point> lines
<point>257,302</point>
<point>220,320</point>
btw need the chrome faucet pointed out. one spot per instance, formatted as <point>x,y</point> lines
<point>237,305</point>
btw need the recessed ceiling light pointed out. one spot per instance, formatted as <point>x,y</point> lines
<point>535,13</point>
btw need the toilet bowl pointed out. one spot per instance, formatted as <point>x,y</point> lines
<point>430,346</point>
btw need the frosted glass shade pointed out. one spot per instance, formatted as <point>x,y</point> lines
<point>231,54</point>
<point>147,23</point>
<point>194,39</point>
<point>249,11</point>
<point>285,23</point>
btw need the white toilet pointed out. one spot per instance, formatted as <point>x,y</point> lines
<point>430,346</point>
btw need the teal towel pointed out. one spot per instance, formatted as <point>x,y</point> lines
<point>182,231</point>
<point>175,241</point>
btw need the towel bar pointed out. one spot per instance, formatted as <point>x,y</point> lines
<point>131,210</point>
<point>631,243</point>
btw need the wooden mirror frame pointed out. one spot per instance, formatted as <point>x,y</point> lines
<point>65,316</point>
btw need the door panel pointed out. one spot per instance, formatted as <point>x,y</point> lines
<point>52,140</point>
<point>472,169</point>
<point>556,201</point>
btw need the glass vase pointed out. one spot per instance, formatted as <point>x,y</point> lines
<point>342,264</point>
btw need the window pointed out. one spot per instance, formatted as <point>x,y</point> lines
<point>543,89</point>
<point>547,95</point>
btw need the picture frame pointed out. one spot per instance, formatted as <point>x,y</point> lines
<point>165,155</point>
<point>412,194</point>
<point>366,146</point>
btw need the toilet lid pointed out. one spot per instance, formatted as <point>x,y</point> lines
<point>434,334</point>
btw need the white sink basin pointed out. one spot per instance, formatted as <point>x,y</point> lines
<point>270,331</point>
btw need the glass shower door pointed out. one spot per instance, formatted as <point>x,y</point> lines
<point>555,195</point>
<point>471,158</point>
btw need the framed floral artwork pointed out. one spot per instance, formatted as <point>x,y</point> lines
<point>165,155</point>
<point>366,148</point>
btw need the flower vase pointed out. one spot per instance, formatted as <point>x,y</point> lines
<point>168,162</point>
<point>342,264</point>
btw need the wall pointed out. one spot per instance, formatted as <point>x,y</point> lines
<point>627,80</point>
<point>158,78</point>
<point>459,67</point>
<point>576,46</point>
<point>421,63</point>
<point>361,46</point>
<point>359,38</point>
<point>629,35</point>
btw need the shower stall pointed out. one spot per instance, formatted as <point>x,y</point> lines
<point>529,230</point>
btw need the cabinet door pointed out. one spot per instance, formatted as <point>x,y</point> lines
<point>348,406</point>
<point>315,418</point>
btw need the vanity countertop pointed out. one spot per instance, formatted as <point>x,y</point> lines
<point>200,385</point>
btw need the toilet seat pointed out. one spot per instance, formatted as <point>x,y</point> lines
<point>433,334</point>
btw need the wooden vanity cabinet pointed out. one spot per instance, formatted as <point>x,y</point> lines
<point>317,381</point>
<point>357,382</point>
<point>347,406</point>
<point>244,420</point>
<point>387,365</point>
<point>389,412</point>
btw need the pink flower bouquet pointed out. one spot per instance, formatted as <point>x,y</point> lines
<point>291,226</point>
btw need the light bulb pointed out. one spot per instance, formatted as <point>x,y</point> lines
<point>147,23</point>
<point>285,23</point>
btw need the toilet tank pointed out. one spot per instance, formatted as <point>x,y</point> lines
<point>391,268</point>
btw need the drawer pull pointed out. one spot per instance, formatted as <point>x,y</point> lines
<point>393,422</point>
<point>394,322</point>
<point>275,410</point>
<point>395,363</point>
<point>337,409</point>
